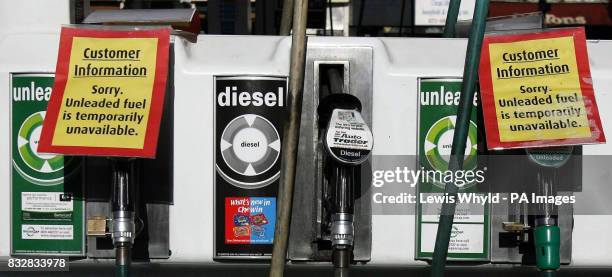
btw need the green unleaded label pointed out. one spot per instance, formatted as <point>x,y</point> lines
<point>46,190</point>
<point>438,102</point>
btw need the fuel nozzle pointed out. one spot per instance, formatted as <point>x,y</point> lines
<point>547,235</point>
<point>123,215</point>
<point>546,232</point>
<point>347,142</point>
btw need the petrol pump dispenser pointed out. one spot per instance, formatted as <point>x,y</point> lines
<point>539,230</point>
<point>178,200</point>
<point>347,71</point>
<point>124,131</point>
<point>332,215</point>
<point>348,142</point>
<point>546,231</point>
<point>531,229</point>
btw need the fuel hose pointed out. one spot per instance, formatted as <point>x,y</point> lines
<point>468,88</point>
<point>451,18</point>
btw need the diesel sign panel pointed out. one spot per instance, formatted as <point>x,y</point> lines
<point>249,114</point>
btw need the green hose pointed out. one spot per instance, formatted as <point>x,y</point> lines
<point>122,271</point>
<point>123,256</point>
<point>548,273</point>
<point>451,18</point>
<point>468,87</point>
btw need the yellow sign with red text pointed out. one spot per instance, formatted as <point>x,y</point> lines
<point>536,90</point>
<point>108,94</point>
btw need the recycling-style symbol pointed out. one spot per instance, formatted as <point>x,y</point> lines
<point>38,168</point>
<point>438,144</point>
<point>250,146</point>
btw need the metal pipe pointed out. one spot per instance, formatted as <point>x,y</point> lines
<point>451,18</point>
<point>468,87</point>
<point>290,140</point>
<point>286,18</point>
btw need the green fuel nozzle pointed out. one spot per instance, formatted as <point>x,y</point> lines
<point>547,240</point>
<point>546,232</point>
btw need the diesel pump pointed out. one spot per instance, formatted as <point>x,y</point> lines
<point>332,210</point>
<point>347,143</point>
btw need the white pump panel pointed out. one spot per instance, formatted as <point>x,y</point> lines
<point>398,63</point>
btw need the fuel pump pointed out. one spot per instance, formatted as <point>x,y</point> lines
<point>347,144</point>
<point>536,227</point>
<point>328,190</point>
<point>546,232</point>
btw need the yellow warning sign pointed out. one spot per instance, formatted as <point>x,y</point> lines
<point>111,88</point>
<point>533,81</point>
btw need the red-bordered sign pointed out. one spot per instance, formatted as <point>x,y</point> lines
<point>537,90</point>
<point>129,96</point>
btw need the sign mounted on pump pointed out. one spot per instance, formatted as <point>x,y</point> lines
<point>108,93</point>
<point>47,207</point>
<point>537,90</point>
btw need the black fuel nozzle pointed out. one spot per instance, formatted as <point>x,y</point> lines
<point>347,142</point>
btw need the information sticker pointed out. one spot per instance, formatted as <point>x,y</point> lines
<point>348,138</point>
<point>537,90</point>
<point>108,93</point>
